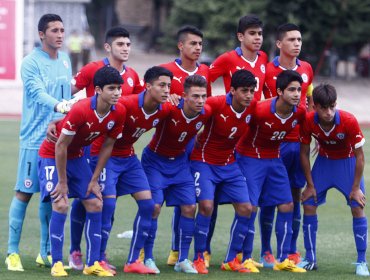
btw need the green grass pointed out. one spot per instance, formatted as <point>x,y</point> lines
<point>335,243</point>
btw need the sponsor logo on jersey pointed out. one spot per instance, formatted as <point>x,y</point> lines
<point>130,82</point>
<point>340,136</point>
<point>294,123</point>
<point>155,122</point>
<point>304,77</point>
<point>28,183</point>
<point>198,125</point>
<point>49,186</point>
<point>110,124</point>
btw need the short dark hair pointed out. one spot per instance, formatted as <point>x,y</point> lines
<point>188,29</point>
<point>248,21</point>
<point>284,28</point>
<point>115,32</point>
<point>153,73</point>
<point>325,95</point>
<point>243,78</point>
<point>194,81</point>
<point>286,77</point>
<point>107,75</point>
<point>45,19</point>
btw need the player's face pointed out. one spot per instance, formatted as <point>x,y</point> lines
<point>251,39</point>
<point>326,114</point>
<point>291,43</point>
<point>242,97</point>
<point>159,89</point>
<point>191,47</point>
<point>292,94</point>
<point>195,99</point>
<point>53,36</point>
<point>110,94</point>
<point>119,49</point>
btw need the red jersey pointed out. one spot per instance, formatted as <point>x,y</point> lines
<point>338,143</point>
<point>273,70</point>
<point>85,78</point>
<point>216,143</point>
<point>86,125</point>
<point>173,134</point>
<point>228,63</point>
<point>137,122</point>
<point>267,130</point>
<point>180,74</point>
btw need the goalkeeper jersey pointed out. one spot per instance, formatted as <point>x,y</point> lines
<point>46,81</point>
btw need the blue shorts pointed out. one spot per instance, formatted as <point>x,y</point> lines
<point>78,178</point>
<point>93,160</point>
<point>267,180</point>
<point>290,154</point>
<point>125,176</point>
<point>170,179</point>
<point>27,173</point>
<point>225,180</point>
<point>334,173</point>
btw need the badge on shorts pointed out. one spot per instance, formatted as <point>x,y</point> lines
<point>197,191</point>
<point>28,183</point>
<point>102,187</point>
<point>49,186</point>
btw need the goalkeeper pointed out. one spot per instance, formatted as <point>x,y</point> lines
<point>46,75</point>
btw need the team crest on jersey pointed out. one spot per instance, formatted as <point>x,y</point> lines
<point>28,183</point>
<point>130,82</point>
<point>263,68</point>
<point>110,124</point>
<point>155,122</point>
<point>248,118</point>
<point>198,125</point>
<point>49,186</point>
<point>304,77</point>
<point>197,191</point>
<point>65,63</point>
<point>340,136</point>
<point>294,123</point>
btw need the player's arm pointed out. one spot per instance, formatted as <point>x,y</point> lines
<point>356,193</point>
<point>309,191</point>
<point>105,152</point>
<point>61,148</point>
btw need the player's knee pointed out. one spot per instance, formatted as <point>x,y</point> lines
<point>22,196</point>
<point>309,210</point>
<point>93,205</point>
<point>357,212</point>
<point>157,211</point>
<point>244,209</point>
<point>206,208</point>
<point>188,210</point>
<point>286,207</point>
<point>61,207</point>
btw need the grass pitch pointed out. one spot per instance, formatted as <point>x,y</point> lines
<point>335,243</point>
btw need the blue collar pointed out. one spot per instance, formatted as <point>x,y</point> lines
<point>229,98</point>
<point>276,61</point>
<point>106,63</point>
<point>240,52</point>
<point>141,100</point>
<point>181,106</point>
<point>336,118</point>
<point>179,62</point>
<point>273,106</point>
<point>94,103</point>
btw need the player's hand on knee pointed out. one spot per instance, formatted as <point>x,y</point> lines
<point>309,192</point>
<point>60,192</point>
<point>358,196</point>
<point>94,188</point>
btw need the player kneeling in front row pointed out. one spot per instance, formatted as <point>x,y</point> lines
<point>339,164</point>
<point>87,120</point>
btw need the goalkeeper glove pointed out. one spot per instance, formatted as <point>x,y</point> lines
<point>65,105</point>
